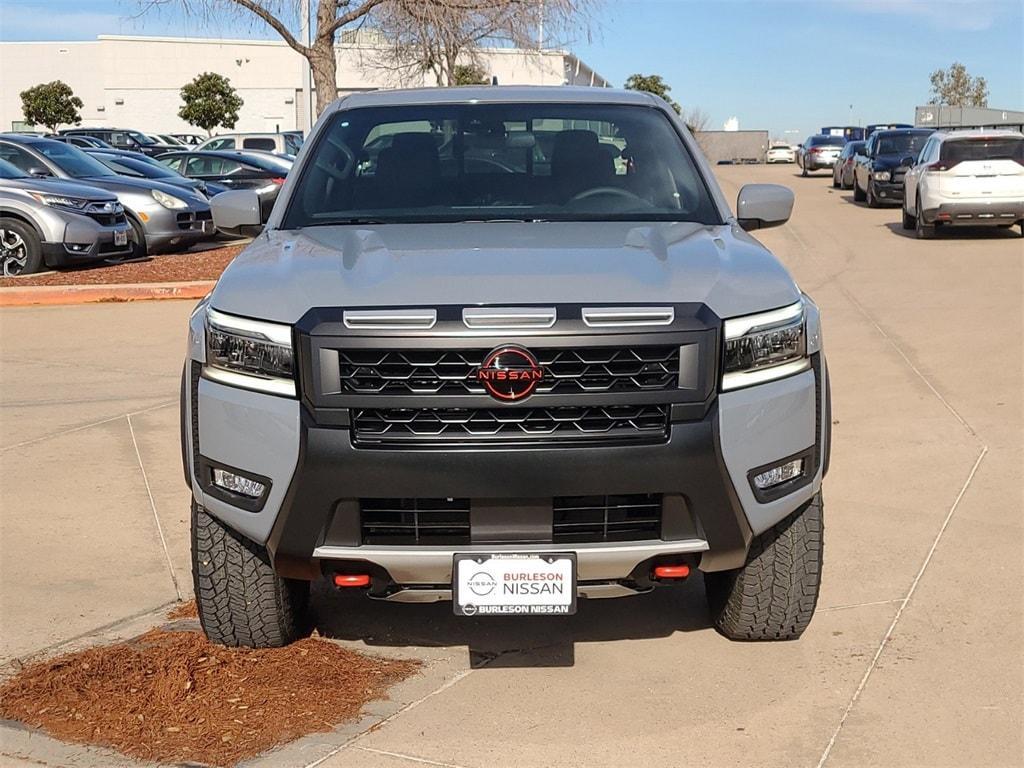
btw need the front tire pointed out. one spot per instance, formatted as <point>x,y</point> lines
<point>774,595</point>
<point>21,252</point>
<point>241,601</point>
<point>909,220</point>
<point>870,196</point>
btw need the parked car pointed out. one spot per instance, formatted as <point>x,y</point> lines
<point>83,142</point>
<point>169,140</point>
<point>286,143</point>
<point>505,388</point>
<point>135,164</point>
<point>263,172</point>
<point>842,170</point>
<point>966,177</point>
<point>52,223</point>
<point>780,153</point>
<point>163,217</point>
<point>190,139</point>
<point>818,152</point>
<point>121,139</point>
<point>878,173</point>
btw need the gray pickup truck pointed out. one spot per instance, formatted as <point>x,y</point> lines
<point>507,347</point>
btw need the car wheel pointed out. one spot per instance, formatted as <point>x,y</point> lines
<point>870,196</point>
<point>909,221</point>
<point>803,167</point>
<point>858,194</point>
<point>21,252</point>
<point>773,596</point>
<point>921,229</point>
<point>138,238</point>
<point>241,601</point>
<point>835,181</point>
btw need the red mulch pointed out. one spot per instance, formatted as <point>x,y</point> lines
<point>168,268</point>
<point>175,697</point>
<point>185,610</point>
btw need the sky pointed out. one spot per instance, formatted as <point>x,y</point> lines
<point>786,66</point>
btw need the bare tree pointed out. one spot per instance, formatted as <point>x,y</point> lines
<point>696,119</point>
<point>440,36</point>
<point>283,17</point>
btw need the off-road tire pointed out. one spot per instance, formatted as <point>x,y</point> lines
<point>241,601</point>
<point>858,194</point>
<point>773,596</point>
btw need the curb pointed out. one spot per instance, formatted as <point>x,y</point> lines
<point>87,294</point>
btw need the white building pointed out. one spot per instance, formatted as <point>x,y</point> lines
<point>134,82</point>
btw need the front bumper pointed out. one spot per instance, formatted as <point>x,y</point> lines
<point>310,517</point>
<point>84,239</point>
<point>887,191</point>
<point>166,229</point>
<point>976,212</point>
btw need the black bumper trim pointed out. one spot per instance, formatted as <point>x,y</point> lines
<point>330,471</point>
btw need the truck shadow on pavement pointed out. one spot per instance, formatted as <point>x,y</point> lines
<point>510,641</point>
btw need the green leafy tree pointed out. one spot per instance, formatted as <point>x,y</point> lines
<point>469,74</point>
<point>653,84</point>
<point>956,87</point>
<point>209,101</point>
<point>51,105</point>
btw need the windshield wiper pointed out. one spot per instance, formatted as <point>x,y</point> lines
<point>351,220</point>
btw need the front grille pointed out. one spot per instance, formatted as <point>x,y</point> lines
<point>634,517</point>
<point>451,372</point>
<point>106,219</point>
<point>414,521</point>
<point>564,424</point>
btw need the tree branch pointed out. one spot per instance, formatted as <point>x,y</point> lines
<point>275,23</point>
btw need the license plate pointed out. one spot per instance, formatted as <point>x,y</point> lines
<point>121,237</point>
<point>514,584</point>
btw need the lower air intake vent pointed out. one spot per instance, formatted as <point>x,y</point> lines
<point>634,517</point>
<point>414,521</point>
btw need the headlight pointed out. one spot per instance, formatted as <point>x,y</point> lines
<point>764,347</point>
<point>60,201</point>
<point>168,201</point>
<point>881,175</point>
<point>249,353</point>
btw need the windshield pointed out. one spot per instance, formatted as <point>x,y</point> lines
<point>142,138</point>
<point>71,160</point>
<point>901,144</point>
<point>473,162</point>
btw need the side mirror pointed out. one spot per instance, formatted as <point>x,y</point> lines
<point>760,206</point>
<point>236,210</point>
<point>39,171</point>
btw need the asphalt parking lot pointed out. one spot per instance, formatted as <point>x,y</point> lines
<point>914,657</point>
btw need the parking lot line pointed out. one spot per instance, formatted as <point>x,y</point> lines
<point>899,611</point>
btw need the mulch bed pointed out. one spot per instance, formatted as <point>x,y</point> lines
<point>169,268</point>
<point>183,610</point>
<point>173,696</point>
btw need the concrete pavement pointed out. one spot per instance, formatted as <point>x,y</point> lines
<point>913,659</point>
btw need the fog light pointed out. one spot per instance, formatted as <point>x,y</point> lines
<point>243,486</point>
<point>780,474</point>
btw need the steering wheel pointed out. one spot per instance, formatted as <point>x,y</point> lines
<point>331,170</point>
<point>603,191</point>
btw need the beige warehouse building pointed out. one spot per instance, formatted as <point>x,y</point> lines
<point>134,82</point>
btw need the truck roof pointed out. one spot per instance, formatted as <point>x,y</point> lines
<point>494,94</point>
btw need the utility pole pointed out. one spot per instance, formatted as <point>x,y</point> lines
<point>307,77</point>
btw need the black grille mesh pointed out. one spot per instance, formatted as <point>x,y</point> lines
<point>452,372</point>
<point>607,518</point>
<point>406,426</point>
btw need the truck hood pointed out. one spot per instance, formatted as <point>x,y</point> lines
<point>55,186</point>
<point>283,274</point>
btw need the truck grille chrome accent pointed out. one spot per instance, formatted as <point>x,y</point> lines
<point>482,426</point>
<point>600,317</point>
<point>452,372</point>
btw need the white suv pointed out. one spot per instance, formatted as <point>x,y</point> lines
<point>966,177</point>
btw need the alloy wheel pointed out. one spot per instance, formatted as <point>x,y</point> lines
<point>13,253</point>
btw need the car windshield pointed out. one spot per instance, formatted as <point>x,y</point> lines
<point>487,162</point>
<point>142,138</point>
<point>132,167</point>
<point>73,161</point>
<point>271,163</point>
<point>11,171</point>
<point>901,144</point>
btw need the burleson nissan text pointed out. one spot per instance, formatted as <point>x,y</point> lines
<point>498,340</point>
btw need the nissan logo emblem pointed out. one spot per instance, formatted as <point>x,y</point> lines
<point>510,373</point>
